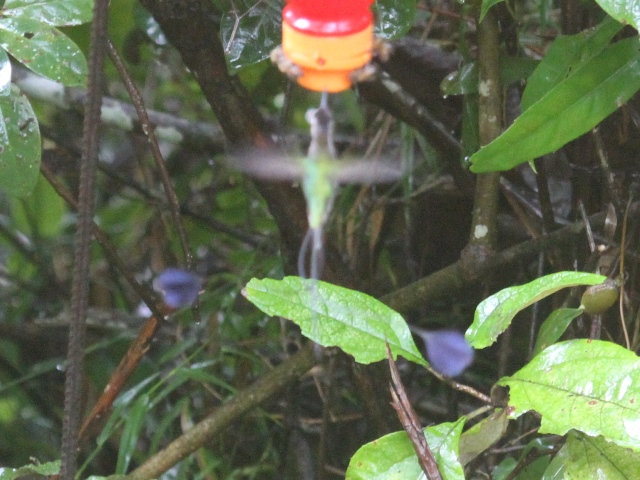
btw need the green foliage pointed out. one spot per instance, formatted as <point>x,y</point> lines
<point>587,385</point>
<point>50,468</point>
<point>19,144</point>
<point>394,17</point>
<point>495,313</point>
<point>336,316</point>
<point>574,106</point>
<point>392,456</point>
<point>28,32</point>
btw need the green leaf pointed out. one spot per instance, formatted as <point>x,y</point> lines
<point>573,107</point>
<point>43,49</point>
<point>588,385</point>
<point>19,145</point>
<point>626,12</point>
<point>5,74</point>
<point>41,213</point>
<point>129,441</point>
<point>56,13</point>
<point>250,30</point>
<point>494,314</point>
<point>554,326</point>
<point>394,18</point>
<point>336,316</point>
<point>482,435</point>
<point>49,468</point>
<point>393,456</point>
<point>594,457</point>
<point>567,54</point>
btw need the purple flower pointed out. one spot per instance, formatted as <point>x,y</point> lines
<point>447,350</point>
<point>178,287</point>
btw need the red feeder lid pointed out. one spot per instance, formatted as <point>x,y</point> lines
<point>328,17</point>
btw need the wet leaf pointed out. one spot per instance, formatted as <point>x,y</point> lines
<point>394,17</point>
<point>494,314</point>
<point>336,316</point>
<point>625,11</point>
<point>553,327</point>
<point>56,13</point>
<point>43,49</point>
<point>392,456</point>
<point>19,145</point>
<point>594,457</point>
<point>588,385</point>
<point>573,107</point>
<point>250,30</point>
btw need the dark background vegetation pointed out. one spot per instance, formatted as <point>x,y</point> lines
<point>379,240</point>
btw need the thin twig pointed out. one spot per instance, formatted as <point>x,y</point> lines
<point>148,129</point>
<point>82,252</point>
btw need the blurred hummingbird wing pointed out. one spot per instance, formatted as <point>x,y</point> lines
<point>366,171</point>
<point>267,166</point>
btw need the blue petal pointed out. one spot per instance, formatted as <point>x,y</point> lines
<point>447,351</point>
<point>178,287</point>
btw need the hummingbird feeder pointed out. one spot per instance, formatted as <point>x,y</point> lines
<point>327,40</point>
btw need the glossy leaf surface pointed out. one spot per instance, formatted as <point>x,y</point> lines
<point>591,386</point>
<point>494,314</point>
<point>20,149</point>
<point>625,11</point>
<point>594,457</point>
<point>43,49</point>
<point>553,327</point>
<point>56,13</point>
<point>394,17</point>
<point>573,107</point>
<point>250,30</point>
<point>393,456</point>
<point>336,316</point>
<point>566,55</point>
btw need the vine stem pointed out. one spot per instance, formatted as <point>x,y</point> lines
<point>82,251</point>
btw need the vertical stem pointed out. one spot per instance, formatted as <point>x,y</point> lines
<point>483,227</point>
<point>80,286</point>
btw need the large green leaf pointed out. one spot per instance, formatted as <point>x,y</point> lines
<point>625,11</point>
<point>19,145</point>
<point>570,109</point>
<point>336,316</point>
<point>43,49</point>
<point>394,17</point>
<point>494,314</point>
<point>594,457</point>
<point>588,385</point>
<point>52,12</point>
<point>566,55</point>
<point>393,457</point>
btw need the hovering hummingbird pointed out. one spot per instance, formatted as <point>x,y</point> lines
<point>320,173</point>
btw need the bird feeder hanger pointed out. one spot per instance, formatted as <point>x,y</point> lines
<point>327,40</point>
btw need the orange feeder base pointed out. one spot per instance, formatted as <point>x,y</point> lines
<point>327,61</point>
